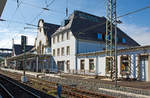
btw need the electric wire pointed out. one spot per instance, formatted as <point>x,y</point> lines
<point>42,11</point>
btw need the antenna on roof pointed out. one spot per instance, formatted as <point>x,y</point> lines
<point>66,8</point>
<point>12,43</point>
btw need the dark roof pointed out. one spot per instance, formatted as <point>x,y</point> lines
<point>18,49</point>
<point>49,29</point>
<point>87,27</point>
<point>90,25</point>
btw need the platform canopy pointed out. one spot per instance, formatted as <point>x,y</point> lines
<point>2,5</point>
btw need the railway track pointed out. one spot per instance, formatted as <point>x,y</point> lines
<point>4,93</point>
<point>13,90</point>
<point>69,91</point>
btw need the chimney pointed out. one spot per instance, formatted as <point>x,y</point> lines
<point>23,41</point>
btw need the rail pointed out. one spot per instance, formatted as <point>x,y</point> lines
<point>20,87</point>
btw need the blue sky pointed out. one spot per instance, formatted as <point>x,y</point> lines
<point>136,25</point>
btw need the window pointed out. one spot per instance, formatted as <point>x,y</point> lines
<point>91,64</point>
<point>57,38</point>
<point>100,36</point>
<point>68,35</point>
<point>68,65</point>
<point>123,40</point>
<point>58,52</point>
<point>54,40</point>
<point>62,37</point>
<point>53,52</point>
<point>82,64</point>
<point>68,50</point>
<point>124,64</point>
<point>109,64</point>
<point>62,51</point>
<point>105,37</point>
<point>47,50</point>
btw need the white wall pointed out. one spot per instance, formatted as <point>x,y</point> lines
<point>100,61</point>
<point>71,43</point>
<point>41,36</point>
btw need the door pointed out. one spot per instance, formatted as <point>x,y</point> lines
<point>60,65</point>
<point>143,68</point>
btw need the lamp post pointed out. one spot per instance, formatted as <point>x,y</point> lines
<point>23,43</point>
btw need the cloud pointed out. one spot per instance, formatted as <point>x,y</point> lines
<point>8,34</point>
<point>140,34</point>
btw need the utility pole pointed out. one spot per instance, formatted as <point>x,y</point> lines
<point>23,45</point>
<point>111,20</point>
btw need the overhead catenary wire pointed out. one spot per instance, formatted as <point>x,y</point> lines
<point>29,4</point>
<point>86,28</point>
<point>43,10</point>
<point>133,12</point>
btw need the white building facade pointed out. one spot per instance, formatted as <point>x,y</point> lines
<point>132,63</point>
<point>77,37</point>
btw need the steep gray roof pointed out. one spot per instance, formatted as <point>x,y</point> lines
<point>18,48</point>
<point>49,29</point>
<point>87,27</point>
<point>90,26</point>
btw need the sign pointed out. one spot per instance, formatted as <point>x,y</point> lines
<point>2,5</point>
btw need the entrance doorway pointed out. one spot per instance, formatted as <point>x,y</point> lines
<point>143,68</point>
<point>60,65</point>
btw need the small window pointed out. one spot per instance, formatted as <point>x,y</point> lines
<point>82,64</point>
<point>91,64</point>
<point>105,37</point>
<point>58,52</point>
<point>123,40</point>
<point>125,64</point>
<point>62,51</point>
<point>109,64</point>
<point>54,40</point>
<point>68,50</point>
<point>100,36</point>
<point>68,35</point>
<point>53,52</point>
<point>57,38</point>
<point>68,65</point>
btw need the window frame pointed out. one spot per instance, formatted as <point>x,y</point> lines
<point>125,65</point>
<point>82,68</point>
<point>108,67</point>
<point>62,51</point>
<point>68,50</point>
<point>62,37</point>
<point>54,40</point>
<point>68,65</point>
<point>100,36</point>
<point>93,65</point>
<point>124,40</point>
<point>58,51</point>
<point>68,35</point>
<point>53,52</point>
